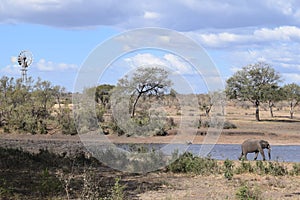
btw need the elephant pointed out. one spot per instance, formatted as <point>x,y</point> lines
<point>255,145</point>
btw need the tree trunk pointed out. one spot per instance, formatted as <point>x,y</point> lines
<point>291,110</point>
<point>257,110</point>
<point>291,114</point>
<point>271,108</point>
<point>134,105</point>
<point>271,112</point>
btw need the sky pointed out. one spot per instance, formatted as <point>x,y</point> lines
<point>63,34</point>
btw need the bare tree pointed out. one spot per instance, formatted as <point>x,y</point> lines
<point>145,82</point>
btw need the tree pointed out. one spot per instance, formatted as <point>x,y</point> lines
<point>145,81</point>
<point>205,103</point>
<point>29,107</point>
<point>103,94</point>
<point>253,83</point>
<point>6,88</point>
<point>274,95</point>
<point>292,94</point>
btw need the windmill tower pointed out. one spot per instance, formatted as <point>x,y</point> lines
<point>25,59</point>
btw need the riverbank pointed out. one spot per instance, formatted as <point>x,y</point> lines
<point>191,137</point>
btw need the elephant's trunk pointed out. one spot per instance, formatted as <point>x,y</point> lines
<point>269,152</point>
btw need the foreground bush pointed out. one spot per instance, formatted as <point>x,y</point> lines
<point>188,163</point>
<point>249,193</point>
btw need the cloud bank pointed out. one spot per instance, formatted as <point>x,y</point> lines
<point>181,15</point>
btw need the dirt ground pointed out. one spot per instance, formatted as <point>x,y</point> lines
<point>279,130</point>
<point>217,187</point>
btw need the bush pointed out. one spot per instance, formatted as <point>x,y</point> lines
<point>261,168</point>
<point>277,169</point>
<point>296,169</point>
<point>207,124</point>
<point>245,192</point>
<point>49,184</point>
<point>188,163</point>
<point>245,167</point>
<point>229,125</point>
<point>228,171</point>
<point>117,191</point>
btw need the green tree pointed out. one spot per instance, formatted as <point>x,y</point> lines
<point>6,88</point>
<point>145,82</point>
<point>103,94</point>
<point>273,95</point>
<point>292,94</point>
<point>253,83</point>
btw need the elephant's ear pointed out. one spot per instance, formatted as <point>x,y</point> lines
<point>264,144</point>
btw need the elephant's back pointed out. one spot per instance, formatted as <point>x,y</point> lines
<point>250,141</point>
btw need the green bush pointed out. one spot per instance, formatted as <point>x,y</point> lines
<point>261,168</point>
<point>277,169</point>
<point>49,184</point>
<point>245,167</point>
<point>246,193</point>
<point>228,171</point>
<point>296,169</point>
<point>117,191</point>
<point>188,163</point>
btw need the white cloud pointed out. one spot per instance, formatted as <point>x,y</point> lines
<point>282,33</point>
<point>170,61</point>
<point>283,6</point>
<point>10,70</point>
<point>178,65</point>
<point>291,78</point>
<point>145,59</point>
<point>260,36</point>
<point>43,65</point>
<point>151,15</point>
<point>13,59</point>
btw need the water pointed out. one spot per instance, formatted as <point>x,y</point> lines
<point>287,153</point>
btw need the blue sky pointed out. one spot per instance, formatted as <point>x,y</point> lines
<point>62,34</point>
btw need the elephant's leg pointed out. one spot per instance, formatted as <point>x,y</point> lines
<point>262,153</point>
<point>241,156</point>
<point>256,154</point>
<point>246,156</point>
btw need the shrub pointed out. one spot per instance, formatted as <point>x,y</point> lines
<point>188,163</point>
<point>5,190</point>
<point>207,124</point>
<point>229,125</point>
<point>245,192</point>
<point>261,168</point>
<point>228,171</point>
<point>49,184</point>
<point>117,191</point>
<point>296,169</point>
<point>245,167</point>
<point>277,169</point>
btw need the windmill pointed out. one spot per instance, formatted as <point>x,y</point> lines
<point>25,59</point>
